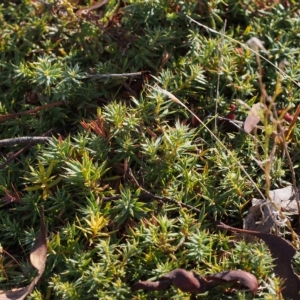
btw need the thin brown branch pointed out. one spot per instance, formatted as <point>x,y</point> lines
<point>149,195</point>
<point>24,140</point>
<point>30,111</point>
<point>97,5</point>
<point>164,199</point>
<point>13,156</point>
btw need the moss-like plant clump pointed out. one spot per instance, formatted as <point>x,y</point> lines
<point>124,123</point>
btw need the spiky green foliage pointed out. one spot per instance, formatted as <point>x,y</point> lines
<point>105,232</point>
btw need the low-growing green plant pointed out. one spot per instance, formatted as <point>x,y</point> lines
<point>134,181</point>
<point>128,206</point>
<point>42,179</point>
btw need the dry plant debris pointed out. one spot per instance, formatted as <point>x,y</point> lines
<point>262,213</point>
<point>192,282</point>
<point>38,257</point>
<point>257,110</point>
<point>282,252</point>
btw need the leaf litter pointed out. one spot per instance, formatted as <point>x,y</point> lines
<point>192,282</point>
<point>282,252</point>
<point>38,257</point>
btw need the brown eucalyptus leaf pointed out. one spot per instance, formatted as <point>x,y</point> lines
<point>20,293</point>
<point>282,252</point>
<point>193,282</point>
<point>184,280</point>
<point>246,279</point>
<point>253,118</point>
<point>160,285</point>
<point>14,294</point>
<point>38,253</point>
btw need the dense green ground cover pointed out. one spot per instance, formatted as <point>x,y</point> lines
<point>114,137</point>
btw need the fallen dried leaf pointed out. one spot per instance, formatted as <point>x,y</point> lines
<point>152,285</point>
<point>262,213</point>
<point>253,118</point>
<point>244,278</point>
<point>193,282</point>
<point>256,44</point>
<point>16,294</point>
<point>184,280</point>
<point>282,252</point>
<point>38,256</point>
<point>38,253</point>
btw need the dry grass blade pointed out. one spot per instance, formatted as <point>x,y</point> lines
<point>293,122</point>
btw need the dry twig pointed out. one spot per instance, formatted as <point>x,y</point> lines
<point>30,111</point>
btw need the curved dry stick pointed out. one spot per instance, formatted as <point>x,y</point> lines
<point>13,156</point>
